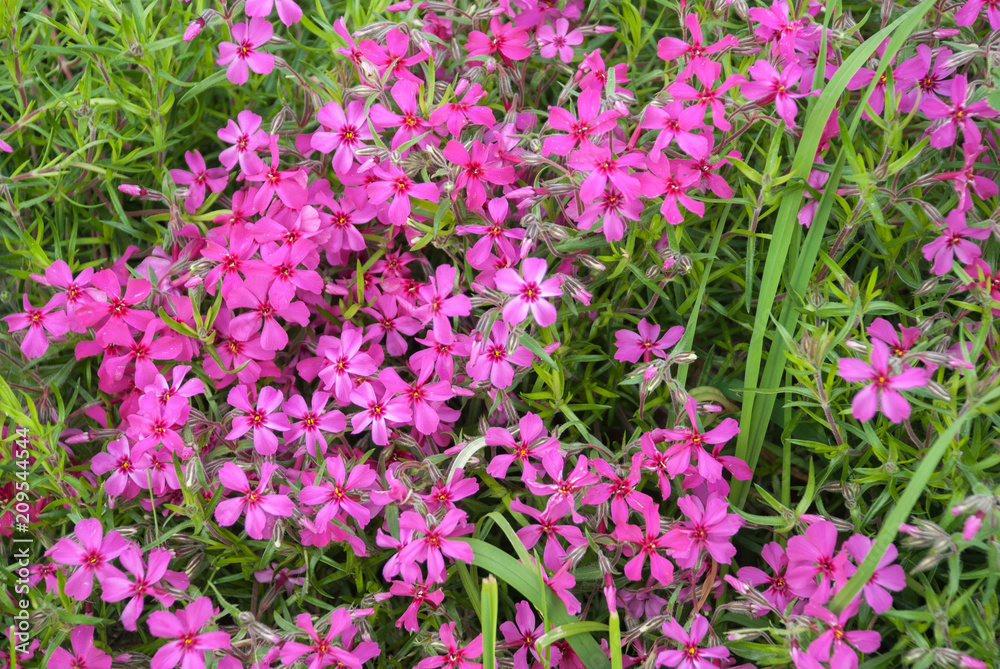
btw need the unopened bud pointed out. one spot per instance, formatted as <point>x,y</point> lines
<point>683,357</point>
<point>591,262</point>
<point>963,58</point>
<point>193,29</point>
<point>741,8</point>
<point>927,287</point>
<point>857,346</point>
<point>938,391</point>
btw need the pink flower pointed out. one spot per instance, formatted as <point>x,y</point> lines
<point>344,132</point>
<point>522,635</point>
<point>419,593</point>
<point>676,123</point>
<point>147,578</point>
<point>491,359</point>
<point>631,346</point>
<point>84,656</point>
<point>264,311</point>
<point>93,555</point>
<point>649,542</point>
<point>533,441</point>
<point>530,288</point>
<point>288,11</point>
<point>769,85</point>
<point>59,275</point>
<point>246,137</point>
<point>408,122</point>
<point>773,24</point>
<point>454,657</point>
<point>671,48</point>
<point>882,391</point>
<point>438,541</point>
<point>439,305</point>
<point>560,40</point>
<point>479,166</point>
<point>313,421</point>
<point>394,59</point>
<point>692,656</point>
<point>289,185</point>
<point>960,113</point>
<point>156,424</point>
<point>110,312</point>
<point>971,10</point>
<point>198,179</point>
<point>836,645</point>
<point>563,489</point>
<point>141,354</point>
<point>394,184</point>
<point>506,40</point>
<point>547,526</point>
<point>984,187</point>
<point>455,115</point>
<point>592,122</point>
<point>691,443</point>
<point>708,527</point>
<point>191,642</point>
<point>815,554</point>
<point>340,494</point>
<point>255,502</point>
<point>376,412</point>
<point>612,209</point>
<point>241,54</point>
<point>129,469</point>
<point>325,650</point>
<point>672,180</point>
<point>778,592</point>
<point>953,243</point>
<point>264,419</point>
<point>39,322</point>
<point>178,390</point>
<point>422,397</point>
<point>887,576</point>
<point>601,166</point>
<point>621,489</point>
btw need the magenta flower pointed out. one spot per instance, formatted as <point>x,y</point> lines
<point>344,132</point>
<point>778,592</point>
<point>376,412</point>
<point>40,323</point>
<point>84,656</point>
<point>419,593</point>
<point>671,48</point>
<point>438,541</point>
<point>58,275</point>
<point>421,397</point>
<point>454,657</point>
<point>953,243</point>
<point>455,115</point>
<point>242,55</point>
<point>533,442</point>
<point>325,651</point>
<point>341,492</point>
<point>288,11</point>
<point>177,390</point>
<point>345,363</point>
<point>882,391</point>
<point>648,542</point>
<point>128,468</point>
<point>146,582</point>
<point>898,342</point>
<point>264,419</point>
<point>836,645</point>
<point>439,305</point>
<point>770,85</point>
<point>547,526</point>
<point>492,359</point>
<point>258,505</point>
<point>393,59</point>
<point>692,655</point>
<point>185,626</point>
<point>198,179</point>
<point>971,10</point>
<point>960,113</point>
<point>394,184</point>
<point>390,324</point>
<point>496,235</point>
<point>631,346</point>
<point>408,122</point>
<point>620,489</point>
<point>690,445</point>
<point>672,180</point>
<point>708,527</point>
<point>504,39</point>
<point>246,137</point>
<point>92,556</point>
<point>521,634</point>
<point>111,312</point>
<point>774,25</point>
<point>612,209</point>
<point>601,166</point>
<point>313,419</point>
<point>141,354</point>
<point>709,97</point>
<point>563,489</point>
<point>887,576</point>
<point>676,122</point>
<point>265,307</point>
<point>813,555</point>
<point>984,187</point>
<point>156,424</point>
<point>530,288</point>
<point>559,40</point>
<point>289,185</point>
<point>920,79</point>
<point>479,166</point>
<point>592,123</point>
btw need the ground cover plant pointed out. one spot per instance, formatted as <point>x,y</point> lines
<point>525,334</point>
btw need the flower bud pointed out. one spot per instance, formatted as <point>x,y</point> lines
<point>683,357</point>
<point>927,287</point>
<point>591,262</point>
<point>193,29</point>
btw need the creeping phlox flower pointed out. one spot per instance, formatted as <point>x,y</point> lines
<point>884,384</point>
